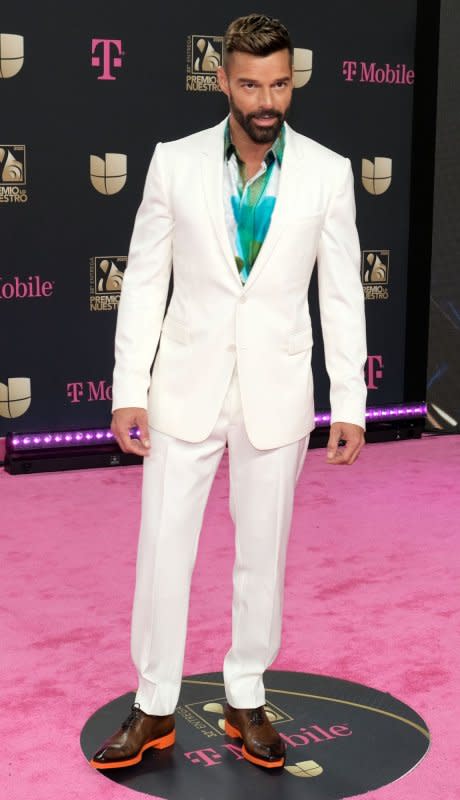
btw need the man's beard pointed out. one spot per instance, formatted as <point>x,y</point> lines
<point>265,135</point>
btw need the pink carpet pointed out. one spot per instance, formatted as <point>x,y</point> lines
<point>372,593</point>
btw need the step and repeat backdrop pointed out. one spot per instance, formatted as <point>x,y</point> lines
<point>86,92</point>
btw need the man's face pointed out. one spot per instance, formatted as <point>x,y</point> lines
<point>259,91</point>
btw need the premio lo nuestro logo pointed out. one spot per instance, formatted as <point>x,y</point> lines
<point>106,279</point>
<point>375,274</point>
<point>108,175</point>
<point>204,55</point>
<point>208,718</point>
<point>15,397</point>
<point>13,173</point>
<point>11,54</point>
<point>377,174</point>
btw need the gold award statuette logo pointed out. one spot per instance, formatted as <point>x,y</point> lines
<point>13,173</point>
<point>204,55</point>
<point>106,276</point>
<point>11,54</point>
<point>15,398</point>
<point>209,717</point>
<point>302,67</point>
<point>377,174</point>
<point>108,175</point>
<point>375,274</point>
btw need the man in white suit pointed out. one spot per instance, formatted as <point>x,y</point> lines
<point>240,212</point>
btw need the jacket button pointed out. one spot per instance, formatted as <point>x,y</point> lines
<point>231,348</point>
<point>243,298</point>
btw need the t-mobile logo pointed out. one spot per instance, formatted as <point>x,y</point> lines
<point>106,53</point>
<point>371,72</point>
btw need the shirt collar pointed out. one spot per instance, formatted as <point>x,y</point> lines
<point>275,152</point>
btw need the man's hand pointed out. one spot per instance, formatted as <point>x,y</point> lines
<point>353,435</point>
<point>125,418</point>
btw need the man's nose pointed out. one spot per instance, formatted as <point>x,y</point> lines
<point>265,97</point>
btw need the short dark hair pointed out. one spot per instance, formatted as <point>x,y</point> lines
<point>258,35</point>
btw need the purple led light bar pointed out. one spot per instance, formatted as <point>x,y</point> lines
<point>406,411</point>
<point>58,439</point>
<point>94,437</point>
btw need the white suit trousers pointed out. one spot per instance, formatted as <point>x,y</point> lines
<point>177,478</point>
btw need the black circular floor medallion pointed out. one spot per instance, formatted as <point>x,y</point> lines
<point>343,739</point>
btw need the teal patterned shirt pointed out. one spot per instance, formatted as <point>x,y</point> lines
<point>250,203</point>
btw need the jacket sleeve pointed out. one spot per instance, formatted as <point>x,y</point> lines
<point>144,291</point>
<point>341,302</point>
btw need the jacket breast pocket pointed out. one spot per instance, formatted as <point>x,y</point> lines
<point>300,341</point>
<point>175,330</point>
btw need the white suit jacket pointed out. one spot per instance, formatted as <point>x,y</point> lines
<point>213,319</point>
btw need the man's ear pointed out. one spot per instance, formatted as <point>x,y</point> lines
<point>222,80</point>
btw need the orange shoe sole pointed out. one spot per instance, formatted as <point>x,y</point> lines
<point>230,730</point>
<point>158,744</point>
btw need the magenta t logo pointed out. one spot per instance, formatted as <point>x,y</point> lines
<point>374,371</point>
<point>110,57</point>
<point>349,70</point>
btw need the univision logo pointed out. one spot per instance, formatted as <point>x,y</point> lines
<point>15,397</point>
<point>302,66</point>
<point>108,175</point>
<point>11,54</point>
<point>377,175</point>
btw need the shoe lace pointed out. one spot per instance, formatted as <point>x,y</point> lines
<point>257,716</point>
<point>132,717</point>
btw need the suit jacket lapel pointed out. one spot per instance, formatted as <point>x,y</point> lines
<point>212,172</point>
<point>284,206</point>
<point>213,183</point>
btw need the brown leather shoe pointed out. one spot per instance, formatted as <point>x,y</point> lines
<point>261,743</point>
<point>138,732</point>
